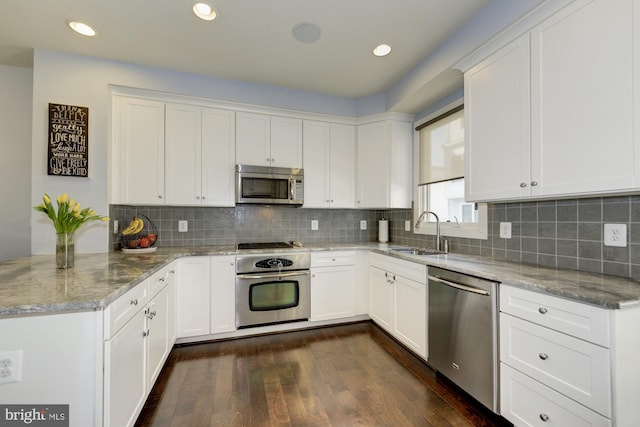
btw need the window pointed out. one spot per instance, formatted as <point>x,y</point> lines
<point>440,179</point>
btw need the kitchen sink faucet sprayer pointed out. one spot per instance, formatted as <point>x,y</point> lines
<point>438,240</point>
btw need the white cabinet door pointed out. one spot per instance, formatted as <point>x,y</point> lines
<point>286,142</point>
<point>193,296</point>
<point>497,117</point>
<point>218,157</point>
<point>582,99</point>
<point>316,161</point>
<point>381,298</point>
<point>125,373</point>
<point>410,322</point>
<point>342,161</point>
<point>253,139</point>
<point>384,165</point>
<point>332,292</point>
<point>158,333</point>
<point>139,140</point>
<point>373,165</point>
<point>223,296</point>
<point>183,149</point>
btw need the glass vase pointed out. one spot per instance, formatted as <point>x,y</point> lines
<point>65,250</point>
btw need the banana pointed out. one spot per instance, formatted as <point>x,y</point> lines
<point>139,226</point>
<point>132,228</point>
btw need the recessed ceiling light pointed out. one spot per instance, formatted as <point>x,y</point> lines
<point>306,32</point>
<point>204,10</point>
<point>382,50</point>
<point>81,28</point>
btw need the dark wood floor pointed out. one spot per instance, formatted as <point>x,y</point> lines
<point>349,375</point>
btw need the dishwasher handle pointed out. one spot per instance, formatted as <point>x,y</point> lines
<point>460,286</point>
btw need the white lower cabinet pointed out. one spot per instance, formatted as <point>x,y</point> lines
<point>135,351</point>
<point>223,297</point>
<point>333,285</point>
<point>552,376</point>
<point>398,300</point>
<point>193,296</point>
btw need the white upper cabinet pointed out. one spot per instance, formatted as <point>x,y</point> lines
<point>497,111</point>
<point>264,140</point>
<point>574,134</point>
<point>139,147</point>
<point>200,156</point>
<point>582,99</point>
<point>329,164</point>
<point>384,165</point>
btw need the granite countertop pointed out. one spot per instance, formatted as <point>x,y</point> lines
<point>33,285</point>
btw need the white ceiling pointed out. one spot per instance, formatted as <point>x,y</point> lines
<point>251,40</point>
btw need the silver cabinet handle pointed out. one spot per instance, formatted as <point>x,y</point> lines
<point>134,301</point>
<point>160,196</point>
<point>523,184</point>
<point>145,333</point>
<point>172,272</point>
<point>197,197</point>
<point>542,310</point>
<point>460,286</point>
<point>543,356</point>
<point>162,279</point>
<point>273,160</point>
<point>544,417</point>
<point>534,183</point>
<point>272,275</point>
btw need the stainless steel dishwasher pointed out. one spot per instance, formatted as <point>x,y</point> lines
<point>463,343</point>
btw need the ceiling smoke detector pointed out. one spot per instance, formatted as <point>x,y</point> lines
<point>306,32</point>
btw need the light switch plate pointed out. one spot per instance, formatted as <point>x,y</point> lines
<point>183,226</point>
<point>407,225</point>
<point>363,224</point>
<point>615,235</point>
<point>505,230</point>
<point>314,224</point>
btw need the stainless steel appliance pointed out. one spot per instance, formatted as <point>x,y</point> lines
<point>267,185</point>
<point>272,288</point>
<point>463,344</point>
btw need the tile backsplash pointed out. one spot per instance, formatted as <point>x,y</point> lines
<point>564,233</point>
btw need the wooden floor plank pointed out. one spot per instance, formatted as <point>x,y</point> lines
<point>347,375</point>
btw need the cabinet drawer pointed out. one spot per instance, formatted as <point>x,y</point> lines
<point>160,279</point>
<point>575,368</point>
<point>579,320</point>
<point>118,313</point>
<point>400,267</point>
<point>524,401</point>
<point>331,259</point>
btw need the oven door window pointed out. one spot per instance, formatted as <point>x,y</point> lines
<point>265,188</point>
<point>276,295</point>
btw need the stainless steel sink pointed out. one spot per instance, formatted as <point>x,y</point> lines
<point>417,251</point>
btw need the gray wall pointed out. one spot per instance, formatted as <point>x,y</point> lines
<point>564,233</point>
<point>15,161</point>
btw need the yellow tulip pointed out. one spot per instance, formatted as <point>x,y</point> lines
<point>46,199</point>
<point>41,205</point>
<point>76,208</point>
<point>104,219</point>
<point>72,202</point>
<point>63,197</point>
<point>76,215</point>
<point>92,212</point>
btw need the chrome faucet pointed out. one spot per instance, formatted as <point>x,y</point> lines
<point>438,240</point>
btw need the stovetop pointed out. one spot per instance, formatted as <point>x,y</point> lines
<point>265,245</point>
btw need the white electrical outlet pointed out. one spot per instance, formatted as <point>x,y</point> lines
<point>505,230</point>
<point>115,226</point>
<point>10,366</point>
<point>407,225</point>
<point>183,226</point>
<point>615,235</point>
<point>363,224</point>
<point>314,224</point>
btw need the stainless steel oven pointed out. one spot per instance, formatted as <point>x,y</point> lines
<point>269,185</point>
<point>272,289</point>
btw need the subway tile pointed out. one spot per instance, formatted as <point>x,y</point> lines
<point>615,254</point>
<point>616,212</point>
<point>567,230</point>
<point>590,231</point>
<point>567,248</point>
<point>588,210</point>
<point>590,250</point>
<point>616,269</point>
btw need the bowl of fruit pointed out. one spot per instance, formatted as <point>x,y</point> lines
<point>139,236</point>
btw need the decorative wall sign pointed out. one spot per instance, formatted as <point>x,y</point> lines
<point>68,140</point>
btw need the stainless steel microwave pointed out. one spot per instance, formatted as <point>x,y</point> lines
<point>269,186</point>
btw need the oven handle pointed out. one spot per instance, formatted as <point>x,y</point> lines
<point>272,275</point>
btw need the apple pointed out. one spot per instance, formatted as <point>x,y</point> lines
<point>152,237</point>
<point>144,242</point>
<point>132,244</point>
